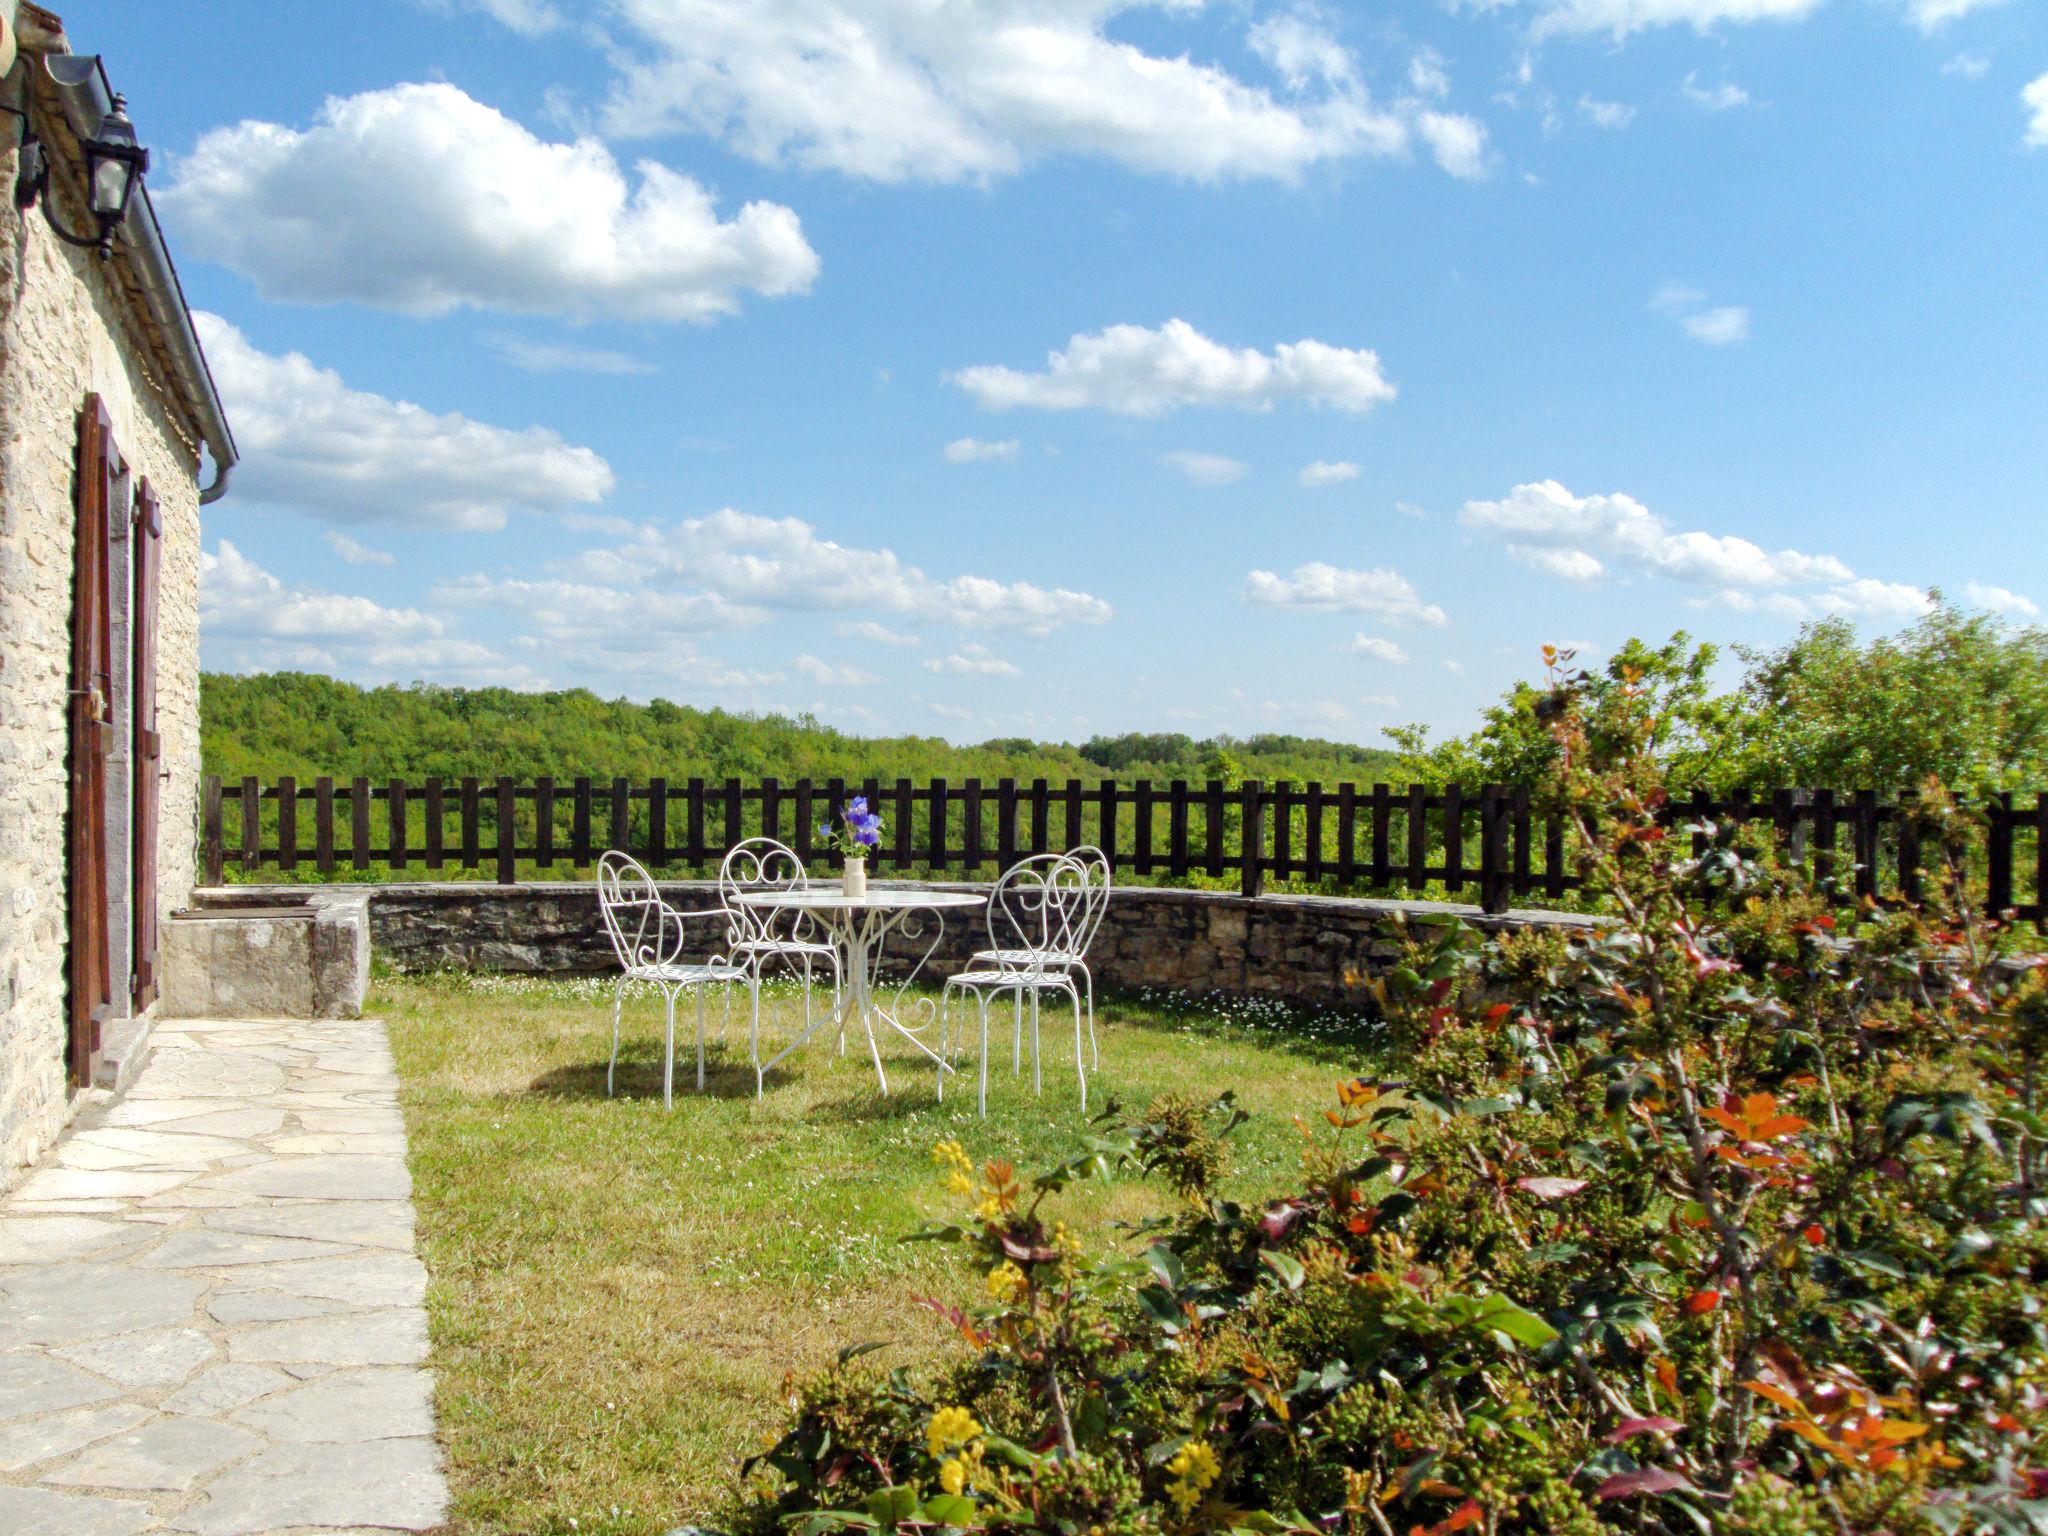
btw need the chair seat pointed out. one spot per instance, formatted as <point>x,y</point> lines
<point>781,947</point>
<point>686,975</point>
<point>1013,976</point>
<point>1017,959</point>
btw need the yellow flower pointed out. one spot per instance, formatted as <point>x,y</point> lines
<point>1194,1470</point>
<point>953,1476</point>
<point>950,1427</point>
<point>990,1209</point>
<point>1006,1282</point>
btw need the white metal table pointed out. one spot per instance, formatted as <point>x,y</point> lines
<point>858,925</point>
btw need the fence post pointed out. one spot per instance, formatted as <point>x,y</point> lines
<point>213,841</point>
<point>508,828</point>
<point>1495,886</point>
<point>1998,856</point>
<point>1252,852</point>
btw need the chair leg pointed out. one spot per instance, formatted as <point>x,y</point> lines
<point>1017,1035</point>
<point>1080,1068</point>
<point>668,1054</point>
<point>618,1000</point>
<point>982,998</point>
<point>807,992</point>
<point>1037,1072</point>
<point>700,1038</point>
<point>725,1035</point>
<point>754,1043</point>
<point>1094,1050</point>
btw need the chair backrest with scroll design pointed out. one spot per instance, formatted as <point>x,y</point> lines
<point>758,864</point>
<point>645,934</point>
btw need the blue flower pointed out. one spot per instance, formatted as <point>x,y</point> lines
<point>824,831</point>
<point>869,836</point>
<point>857,807</point>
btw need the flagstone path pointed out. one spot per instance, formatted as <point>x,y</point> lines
<point>210,1309</point>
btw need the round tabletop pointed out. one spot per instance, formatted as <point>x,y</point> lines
<point>878,898</point>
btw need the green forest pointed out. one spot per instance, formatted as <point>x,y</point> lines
<point>1957,696</point>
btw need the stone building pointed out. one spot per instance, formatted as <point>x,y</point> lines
<point>111,438</point>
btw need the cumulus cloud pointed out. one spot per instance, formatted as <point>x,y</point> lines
<point>896,90</point>
<point>1606,114</point>
<point>1377,649</point>
<point>1621,17</point>
<point>420,199</point>
<point>253,621</point>
<point>2000,600</point>
<point>879,634</point>
<point>971,661</point>
<point>2035,99</point>
<point>1931,16</point>
<point>972,450</point>
<point>311,443</point>
<point>1204,469</point>
<point>1380,593</point>
<point>562,357</point>
<point>753,566</point>
<point>1134,370</point>
<point>354,552</point>
<point>1579,538</point>
<point>1864,598</point>
<point>1714,98</point>
<point>1457,143</point>
<point>1710,326</point>
<point>830,674</point>
<point>1327,472</point>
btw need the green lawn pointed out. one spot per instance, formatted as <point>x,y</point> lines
<point>617,1292</point>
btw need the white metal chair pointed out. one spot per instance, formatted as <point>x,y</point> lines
<point>648,935</point>
<point>756,935</point>
<point>1036,916</point>
<point>1095,866</point>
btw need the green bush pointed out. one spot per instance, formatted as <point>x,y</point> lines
<point>1714,1218</point>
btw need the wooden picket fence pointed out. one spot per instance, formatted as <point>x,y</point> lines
<point>1485,839</point>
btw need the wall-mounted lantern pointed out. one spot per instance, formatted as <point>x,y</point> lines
<point>114,166</point>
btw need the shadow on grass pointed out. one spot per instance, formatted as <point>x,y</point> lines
<point>725,1077</point>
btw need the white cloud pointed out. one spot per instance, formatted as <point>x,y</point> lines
<point>1863,598</point>
<point>1327,472</point>
<point>880,634</point>
<point>1380,593</point>
<point>1579,537</point>
<point>2000,600</point>
<point>1931,16</point>
<point>1621,17</point>
<point>1715,98</point>
<point>899,90</point>
<point>560,357</point>
<point>420,199</point>
<point>311,443</point>
<point>1377,649</point>
<point>758,565</point>
<point>1606,114</point>
<point>972,450</point>
<point>530,18</point>
<point>1426,76</point>
<point>1134,370</point>
<point>353,552</point>
<point>1718,326</point>
<point>2035,99</point>
<point>971,661</point>
<point>254,621</point>
<point>1457,142</point>
<point>830,674</point>
<point>1409,509</point>
<point>1970,66</point>
<point>1204,469</point>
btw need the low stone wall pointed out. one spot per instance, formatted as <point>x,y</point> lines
<point>1302,949</point>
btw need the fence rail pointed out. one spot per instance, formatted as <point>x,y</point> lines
<point>1485,839</point>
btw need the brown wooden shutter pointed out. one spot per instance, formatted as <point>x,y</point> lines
<point>149,749</point>
<point>92,683</point>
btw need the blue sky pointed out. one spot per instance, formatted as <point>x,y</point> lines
<point>990,368</point>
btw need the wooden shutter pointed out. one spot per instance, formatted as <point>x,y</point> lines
<point>92,684</point>
<point>149,751</point>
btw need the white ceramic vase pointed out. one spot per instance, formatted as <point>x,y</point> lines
<point>854,879</point>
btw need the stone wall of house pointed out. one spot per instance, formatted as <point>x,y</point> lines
<point>1301,949</point>
<point>66,332</point>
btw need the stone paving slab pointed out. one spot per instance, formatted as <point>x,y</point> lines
<point>211,1314</point>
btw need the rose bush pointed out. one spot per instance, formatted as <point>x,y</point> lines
<point>1724,1216</point>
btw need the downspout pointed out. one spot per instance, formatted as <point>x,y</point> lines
<point>82,88</point>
